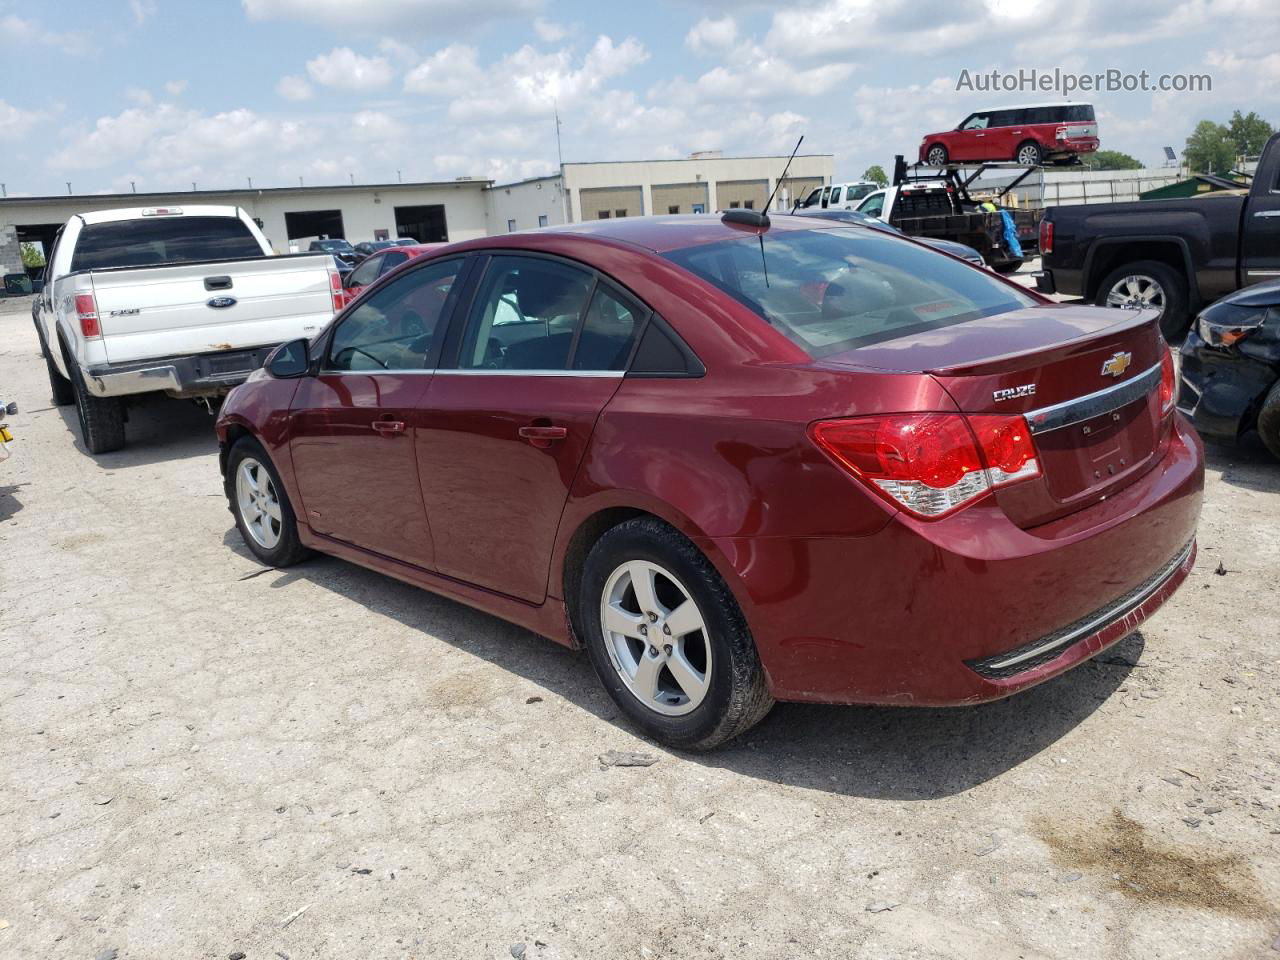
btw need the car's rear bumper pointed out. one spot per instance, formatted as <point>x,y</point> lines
<point>970,608</point>
<point>1220,390</point>
<point>204,374</point>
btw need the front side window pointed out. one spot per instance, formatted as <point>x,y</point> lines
<point>366,273</point>
<point>976,122</point>
<point>873,205</point>
<point>833,290</point>
<point>395,328</point>
<point>835,194</point>
<point>149,241</point>
<point>524,315</point>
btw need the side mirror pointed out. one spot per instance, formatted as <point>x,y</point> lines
<point>289,360</point>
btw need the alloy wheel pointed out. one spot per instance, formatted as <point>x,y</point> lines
<point>937,156</point>
<point>1028,156</point>
<point>258,503</point>
<point>1136,292</point>
<point>656,638</point>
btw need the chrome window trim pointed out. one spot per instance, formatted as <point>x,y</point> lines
<point>1094,404</point>
<point>376,373</point>
<point>592,374</point>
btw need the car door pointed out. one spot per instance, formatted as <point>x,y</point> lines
<point>971,141</point>
<point>506,424</point>
<point>353,423</point>
<point>1260,249</point>
<point>1004,134</point>
<point>873,204</point>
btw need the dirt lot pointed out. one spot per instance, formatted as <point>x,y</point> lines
<point>200,757</point>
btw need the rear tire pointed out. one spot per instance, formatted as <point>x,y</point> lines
<point>1129,285</point>
<point>258,501</point>
<point>60,388</point>
<point>101,418</point>
<point>729,691</point>
<point>1029,154</point>
<point>936,156</point>
<point>1269,422</point>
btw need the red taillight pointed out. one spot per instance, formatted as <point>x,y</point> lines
<point>931,463</point>
<point>1168,382</point>
<point>1046,237</point>
<point>339,295</point>
<point>87,311</point>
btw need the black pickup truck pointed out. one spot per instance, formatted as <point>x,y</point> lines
<point>1177,255</point>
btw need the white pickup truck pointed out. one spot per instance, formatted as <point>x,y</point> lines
<point>185,300</point>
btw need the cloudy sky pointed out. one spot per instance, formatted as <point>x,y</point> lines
<point>164,93</point>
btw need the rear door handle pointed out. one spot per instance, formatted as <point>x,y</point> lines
<point>388,427</point>
<point>543,436</point>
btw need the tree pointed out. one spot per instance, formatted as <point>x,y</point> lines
<point>1112,160</point>
<point>31,255</point>
<point>1209,149</point>
<point>875,173</point>
<point>1249,133</point>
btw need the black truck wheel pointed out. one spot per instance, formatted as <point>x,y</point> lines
<point>101,418</point>
<point>1006,266</point>
<point>59,386</point>
<point>1148,283</point>
<point>1269,421</point>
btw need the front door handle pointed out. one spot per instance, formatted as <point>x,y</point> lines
<point>388,428</point>
<point>1267,213</point>
<point>543,436</point>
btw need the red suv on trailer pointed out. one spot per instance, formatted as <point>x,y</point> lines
<point>801,461</point>
<point>1031,135</point>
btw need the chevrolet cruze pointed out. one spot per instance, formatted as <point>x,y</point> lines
<point>738,462</point>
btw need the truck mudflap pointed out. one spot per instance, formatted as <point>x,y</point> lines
<point>200,375</point>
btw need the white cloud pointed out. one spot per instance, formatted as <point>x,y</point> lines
<point>294,88</point>
<point>344,68</point>
<point>423,16</point>
<point>549,32</point>
<point>375,125</point>
<point>175,87</point>
<point>14,122</point>
<point>452,70</point>
<point>709,36</point>
<point>143,10</point>
<point>398,51</point>
<point>21,32</point>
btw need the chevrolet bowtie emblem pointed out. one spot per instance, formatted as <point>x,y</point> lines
<point>1117,364</point>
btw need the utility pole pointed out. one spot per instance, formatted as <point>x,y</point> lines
<point>133,187</point>
<point>555,106</point>
<point>353,178</point>
<point>193,186</point>
<point>3,190</point>
<point>399,179</point>
<point>300,183</point>
<point>250,179</point>
<point>68,188</point>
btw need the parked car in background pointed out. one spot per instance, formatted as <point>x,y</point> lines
<point>182,300</point>
<point>740,463</point>
<point>384,261</point>
<point>1173,255</point>
<point>367,248</point>
<point>344,269</point>
<point>837,196</point>
<point>853,216</point>
<point>1231,367</point>
<point>1031,135</point>
<point>336,246</point>
<point>934,209</point>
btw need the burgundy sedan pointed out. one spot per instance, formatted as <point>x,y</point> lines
<point>802,460</point>
<point>382,261</point>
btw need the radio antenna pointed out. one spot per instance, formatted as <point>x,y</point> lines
<point>768,204</point>
<point>760,218</point>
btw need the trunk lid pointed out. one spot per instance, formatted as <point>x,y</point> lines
<point>168,311</point>
<point>1086,378</point>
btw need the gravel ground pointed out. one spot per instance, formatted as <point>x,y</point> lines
<point>200,757</point>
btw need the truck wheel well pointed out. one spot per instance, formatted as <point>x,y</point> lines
<point>575,557</point>
<point>1111,256</point>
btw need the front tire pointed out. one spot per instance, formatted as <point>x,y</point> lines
<point>1269,422</point>
<point>937,156</point>
<point>261,507</point>
<point>1149,283</point>
<point>667,638</point>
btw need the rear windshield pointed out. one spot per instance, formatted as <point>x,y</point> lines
<point>834,290</point>
<point>142,243</point>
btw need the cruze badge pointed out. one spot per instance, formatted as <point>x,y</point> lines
<point>1117,364</point>
<point>1010,393</point>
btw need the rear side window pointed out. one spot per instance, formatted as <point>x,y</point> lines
<point>607,333</point>
<point>833,290</point>
<point>146,242</point>
<point>391,261</point>
<point>1078,113</point>
<point>525,315</point>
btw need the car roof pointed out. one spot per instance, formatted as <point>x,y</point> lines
<point>1032,106</point>
<point>413,249</point>
<point>659,234</point>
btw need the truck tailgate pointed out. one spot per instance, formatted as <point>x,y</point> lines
<point>169,311</point>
